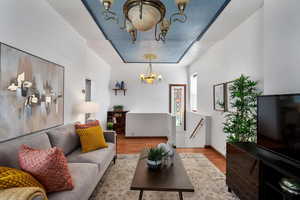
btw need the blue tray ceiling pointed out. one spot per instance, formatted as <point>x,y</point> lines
<point>201,14</point>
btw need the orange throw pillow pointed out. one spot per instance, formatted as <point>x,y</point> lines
<point>49,167</point>
<point>91,136</point>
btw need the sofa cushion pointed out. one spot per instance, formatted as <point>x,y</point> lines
<point>85,177</point>
<point>49,166</point>
<point>9,150</point>
<point>99,157</point>
<point>65,138</point>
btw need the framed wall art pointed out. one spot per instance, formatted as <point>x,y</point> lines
<point>229,99</point>
<point>219,97</point>
<point>31,93</point>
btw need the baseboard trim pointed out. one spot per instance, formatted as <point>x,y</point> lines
<point>211,147</point>
<point>144,137</point>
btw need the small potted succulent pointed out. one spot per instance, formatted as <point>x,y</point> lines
<point>155,157</point>
<point>110,126</point>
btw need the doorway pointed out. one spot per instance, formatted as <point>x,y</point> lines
<point>177,104</point>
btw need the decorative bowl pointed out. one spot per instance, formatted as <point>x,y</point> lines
<point>154,165</point>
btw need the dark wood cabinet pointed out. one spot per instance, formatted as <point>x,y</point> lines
<point>119,120</point>
<point>254,173</point>
<point>242,175</point>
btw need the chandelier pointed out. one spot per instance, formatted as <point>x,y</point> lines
<point>150,77</point>
<point>144,15</point>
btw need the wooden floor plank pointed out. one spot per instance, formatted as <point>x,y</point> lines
<point>135,145</point>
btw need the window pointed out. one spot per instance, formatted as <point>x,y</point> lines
<point>193,97</point>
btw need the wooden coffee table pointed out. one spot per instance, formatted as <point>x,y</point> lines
<point>170,179</point>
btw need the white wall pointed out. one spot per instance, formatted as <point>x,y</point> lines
<point>241,52</point>
<point>142,97</point>
<point>150,125</point>
<point>282,49</point>
<point>35,27</point>
<point>200,138</point>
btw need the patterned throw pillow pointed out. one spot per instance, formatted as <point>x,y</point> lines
<point>91,136</point>
<point>87,125</point>
<point>49,167</point>
<point>10,178</point>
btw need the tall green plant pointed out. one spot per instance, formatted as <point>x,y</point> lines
<point>240,125</point>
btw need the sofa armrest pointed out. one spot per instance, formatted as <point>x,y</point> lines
<point>110,136</point>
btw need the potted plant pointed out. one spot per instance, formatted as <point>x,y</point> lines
<point>118,108</point>
<point>240,128</point>
<point>155,157</point>
<point>110,125</point>
<point>240,124</point>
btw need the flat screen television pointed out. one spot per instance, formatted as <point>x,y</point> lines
<point>278,125</point>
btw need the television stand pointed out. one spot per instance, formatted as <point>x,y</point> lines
<point>254,173</point>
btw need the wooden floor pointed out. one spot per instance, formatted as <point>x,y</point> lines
<point>135,145</point>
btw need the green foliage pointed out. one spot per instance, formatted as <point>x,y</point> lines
<point>156,154</point>
<point>240,125</point>
<point>221,103</point>
<point>118,107</point>
<point>110,125</point>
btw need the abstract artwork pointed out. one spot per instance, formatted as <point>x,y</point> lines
<point>31,93</point>
<point>219,97</point>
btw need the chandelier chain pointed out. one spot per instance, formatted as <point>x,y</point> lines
<point>141,9</point>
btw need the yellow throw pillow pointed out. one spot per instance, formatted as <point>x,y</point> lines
<point>10,178</point>
<point>91,138</point>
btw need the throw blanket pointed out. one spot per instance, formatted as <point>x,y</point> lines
<point>23,193</point>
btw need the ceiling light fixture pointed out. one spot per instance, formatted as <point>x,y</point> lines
<point>150,77</point>
<point>144,15</point>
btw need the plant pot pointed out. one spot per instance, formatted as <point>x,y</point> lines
<point>154,165</point>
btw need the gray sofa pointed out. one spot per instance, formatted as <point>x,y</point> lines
<point>86,168</point>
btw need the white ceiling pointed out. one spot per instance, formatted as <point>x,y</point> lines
<point>77,16</point>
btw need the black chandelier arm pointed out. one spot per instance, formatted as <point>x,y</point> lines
<point>109,15</point>
<point>160,36</point>
<point>133,34</point>
<point>124,24</point>
<point>178,17</point>
<point>157,37</point>
<point>141,9</point>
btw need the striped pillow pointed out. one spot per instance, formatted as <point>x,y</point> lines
<point>87,125</point>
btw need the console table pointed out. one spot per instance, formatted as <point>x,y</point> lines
<point>254,173</point>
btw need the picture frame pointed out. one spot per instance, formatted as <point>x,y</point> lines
<point>31,93</point>
<point>219,97</point>
<point>229,99</point>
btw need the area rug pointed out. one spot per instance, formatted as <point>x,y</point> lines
<point>208,181</point>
